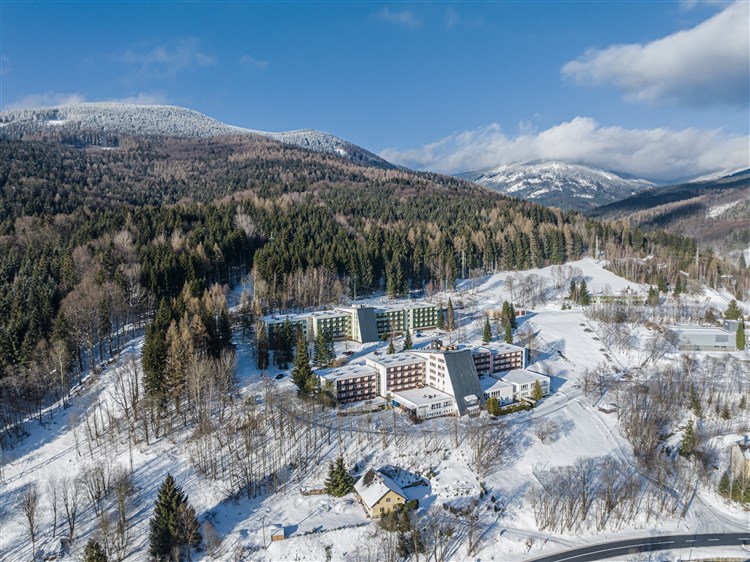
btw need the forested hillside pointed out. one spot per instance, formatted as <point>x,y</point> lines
<point>93,240</point>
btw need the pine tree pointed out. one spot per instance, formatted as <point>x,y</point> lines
<point>508,334</point>
<point>512,315</point>
<point>302,375</point>
<point>261,345</point>
<point>536,393</point>
<point>653,297</point>
<point>93,552</point>
<point>441,317</point>
<point>733,311</point>
<point>583,294</point>
<point>339,481</point>
<point>450,320</point>
<point>407,341</point>
<point>173,524</point>
<point>677,286</point>
<point>493,407</point>
<point>330,348</point>
<point>687,446</point>
<point>391,348</point>
<point>487,331</point>
<point>741,336</point>
<point>320,350</point>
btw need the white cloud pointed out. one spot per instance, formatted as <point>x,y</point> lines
<point>654,153</point>
<point>51,99</point>
<point>165,60</point>
<point>4,65</point>
<point>143,98</point>
<point>249,60</point>
<point>404,18</point>
<point>46,99</point>
<point>703,66</point>
<point>454,20</point>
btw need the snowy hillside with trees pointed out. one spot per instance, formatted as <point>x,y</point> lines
<point>252,457</point>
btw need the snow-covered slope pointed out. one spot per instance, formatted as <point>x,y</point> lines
<point>560,184</point>
<point>108,118</point>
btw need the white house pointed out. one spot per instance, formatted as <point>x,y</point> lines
<point>523,382</point>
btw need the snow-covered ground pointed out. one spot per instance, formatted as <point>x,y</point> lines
<point>320,527</point>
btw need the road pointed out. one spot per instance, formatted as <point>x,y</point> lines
<point>647,544</point>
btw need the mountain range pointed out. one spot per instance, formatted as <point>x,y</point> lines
<point>558,184</point>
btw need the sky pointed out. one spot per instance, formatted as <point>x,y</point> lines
<point>654,89</point>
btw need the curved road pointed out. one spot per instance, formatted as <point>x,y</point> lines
<point>647,544</point>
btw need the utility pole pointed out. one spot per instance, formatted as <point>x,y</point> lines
<point>263,522</point>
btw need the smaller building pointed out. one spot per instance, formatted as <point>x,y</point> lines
<point>740,459</point>
<point>496,357</point>
<point>350,383</point>
<point>702,338</point>
<point>523,382</point>
<point>500,390</point>
<point>378,493</point>
<point>424,403</point>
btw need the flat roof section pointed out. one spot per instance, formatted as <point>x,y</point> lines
<point>346,372</point>
<point>395,359</point>
<point>422,396</point>
<point>522,376</point>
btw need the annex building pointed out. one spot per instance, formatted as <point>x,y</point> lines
<point>361,324</point>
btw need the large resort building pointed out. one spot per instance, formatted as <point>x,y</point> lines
<point>359,323</point>
<point>429,383</point>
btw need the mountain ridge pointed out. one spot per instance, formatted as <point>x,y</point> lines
<point>115,118</point>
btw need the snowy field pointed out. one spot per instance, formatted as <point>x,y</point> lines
<point>442,450</point>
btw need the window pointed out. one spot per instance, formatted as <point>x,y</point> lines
<point>387,500</point>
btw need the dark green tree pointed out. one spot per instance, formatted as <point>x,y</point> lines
<point>440,317</point>
<point>687,445</point>
<point>583,294</point>
<point>487,330</point>
<point>653,296</point>
<point>741,335</point>
<point>733,311</point>
<point>407,341</point>
<point>173,525</point>
<point>450,318</point>
<point>339,481</point>
<point>536,392</point>
<point>391,348</point>
<point>320,350</point>
<point>155,350</point>
<point>302,374</point>
<point>493,407</point>
<point>261,345</point>
<point>93,552</point>
<point>508,334</point>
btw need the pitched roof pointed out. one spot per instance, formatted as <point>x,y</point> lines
<point>374,485</point>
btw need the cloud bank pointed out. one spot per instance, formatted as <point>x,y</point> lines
<point>659,153</point>
<point>165,61</point>
<point>706,65</point>
<point>51,99</point>
<point>404,18</point>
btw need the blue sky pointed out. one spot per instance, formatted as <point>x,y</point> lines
<point>436,85</point>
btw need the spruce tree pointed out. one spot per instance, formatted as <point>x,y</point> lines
<point>741,336</point>
<point>440,317</point>
<point>537,393</point>
<point>302,375</point>
<point>573,293</point>
<point>391,348</point>
<point>261,345</point>
<point>487,331</point>
<point>508,334</point>
<point>93,552</point>
<point>450,320</point>
<point>339,481</point>
<point>320,356</point>
<point>407,341</point>
<point>512,315</point>
<point>493,406</point>
<point>330,348</point>
<point>173,515</point>
<point>583,294</point>
<point>733,311</point>
<point>687,446</point>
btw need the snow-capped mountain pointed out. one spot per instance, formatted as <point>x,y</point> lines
<point>558,184</point>
<point>108,118</point>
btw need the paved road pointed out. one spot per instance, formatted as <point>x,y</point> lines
<point>647,544</point>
